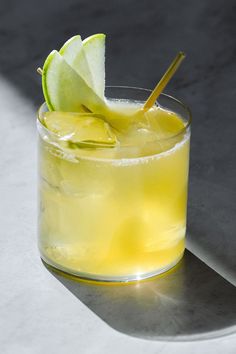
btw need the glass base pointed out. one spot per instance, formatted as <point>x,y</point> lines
<point>113,279</point>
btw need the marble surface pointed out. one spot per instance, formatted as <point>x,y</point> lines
<point>43,312</point>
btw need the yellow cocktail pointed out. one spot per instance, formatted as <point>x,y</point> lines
<point>117,212</point>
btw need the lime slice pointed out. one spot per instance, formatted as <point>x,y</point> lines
<point>94,49</point>
<point>72,51</point>
<point>65,90</point>
<point>80,128</point>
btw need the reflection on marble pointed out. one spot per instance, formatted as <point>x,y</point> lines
<point>190,302</point>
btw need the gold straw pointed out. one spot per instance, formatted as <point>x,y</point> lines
<point>164,80</point>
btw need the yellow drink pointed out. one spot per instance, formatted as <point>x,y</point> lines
<point>117,213</point>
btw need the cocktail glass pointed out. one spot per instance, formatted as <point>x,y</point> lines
<point>114,214</point>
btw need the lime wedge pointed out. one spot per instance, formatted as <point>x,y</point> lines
<point>94,50</point>
<point>65,90</point>
<point>80,128</point>
<point>72,51</point>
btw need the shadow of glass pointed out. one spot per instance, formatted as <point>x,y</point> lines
<point>190,302</point>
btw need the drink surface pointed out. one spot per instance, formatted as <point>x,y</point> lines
<point>117,212</point>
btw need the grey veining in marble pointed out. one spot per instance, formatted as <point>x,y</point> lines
<point>42,312</point>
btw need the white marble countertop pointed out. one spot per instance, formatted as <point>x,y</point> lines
<point>38,314</point>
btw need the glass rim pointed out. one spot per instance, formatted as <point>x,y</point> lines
<point>96,146</point>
